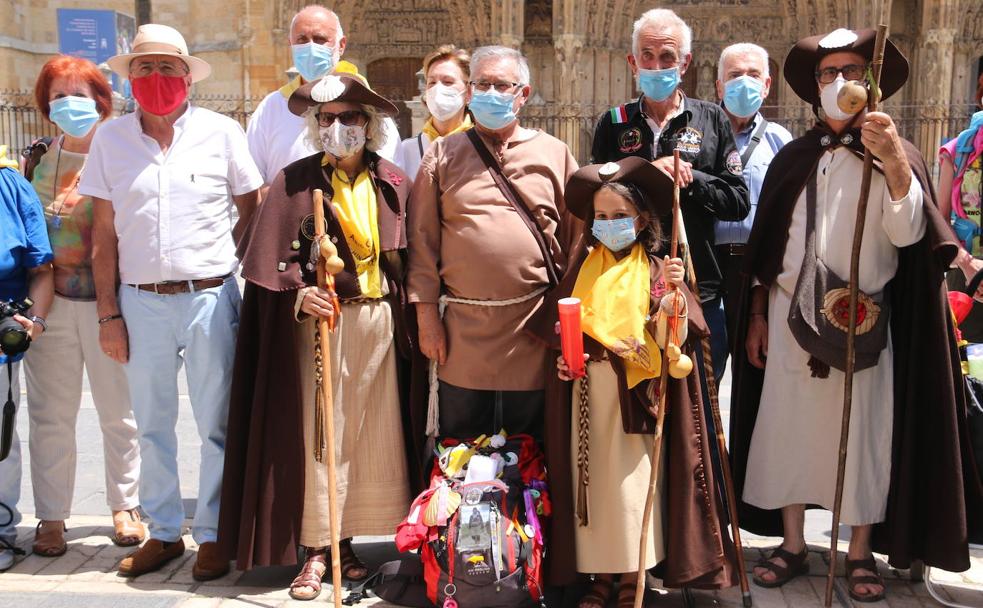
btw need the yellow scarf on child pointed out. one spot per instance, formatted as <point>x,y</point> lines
<point>615,300</point>
<point>355,207</point>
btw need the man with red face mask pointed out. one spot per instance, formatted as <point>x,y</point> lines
<point>164,180</point>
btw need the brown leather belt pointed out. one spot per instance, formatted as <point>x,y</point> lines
<point>170,288</point>
<point>731,248</point>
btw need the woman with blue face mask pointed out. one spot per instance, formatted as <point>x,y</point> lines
<point>74,95</point>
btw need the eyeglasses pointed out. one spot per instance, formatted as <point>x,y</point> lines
<point>850,72</point>
<point>501,87</point>
<point>146,68</point>
<point>348,118</point>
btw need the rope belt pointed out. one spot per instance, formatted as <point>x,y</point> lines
<point>433,405</point>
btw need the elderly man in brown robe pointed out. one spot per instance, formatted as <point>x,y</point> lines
<point>488,235</point>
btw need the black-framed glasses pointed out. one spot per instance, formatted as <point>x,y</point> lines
<point>850,72</point>
<point>501,87</point>
<point>348,118</point>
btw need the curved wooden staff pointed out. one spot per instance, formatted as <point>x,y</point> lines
<point>328,264</point>
<point>851,334</point>
<point>656,453</point>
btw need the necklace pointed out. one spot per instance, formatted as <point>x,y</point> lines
<point>56,214</point>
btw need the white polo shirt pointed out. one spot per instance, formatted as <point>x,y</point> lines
<point>174,211</point>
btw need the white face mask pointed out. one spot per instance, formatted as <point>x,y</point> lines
<point>444,101</point>
<point>828,98</point>
<point>342,141</point>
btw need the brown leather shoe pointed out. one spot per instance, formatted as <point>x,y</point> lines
<point>150,557</point>
<point>210,563</point>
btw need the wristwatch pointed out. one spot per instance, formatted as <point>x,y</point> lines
<point>40,321</point>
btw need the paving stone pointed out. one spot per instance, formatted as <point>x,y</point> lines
<point>201,602</point>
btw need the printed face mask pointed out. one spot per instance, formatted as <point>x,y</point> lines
<point>444,101</point>
<point>313,60</point>
<point>742,96</point>
<point>492,110</point>
<point>158,94</point>
<point>74,115</point>
<point>658,85</point>
<point>615,234</point>
<point>342,141</point>
<point>828,99</point>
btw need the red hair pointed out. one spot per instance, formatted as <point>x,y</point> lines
<point>79,69</point>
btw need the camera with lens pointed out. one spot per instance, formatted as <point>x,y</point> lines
<point>14,339</point>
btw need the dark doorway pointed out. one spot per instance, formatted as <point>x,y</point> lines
<point>395,79</point>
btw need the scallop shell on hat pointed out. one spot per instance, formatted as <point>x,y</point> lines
<point>328,89</point>
<point>608,170</point>
<point>838,38</point>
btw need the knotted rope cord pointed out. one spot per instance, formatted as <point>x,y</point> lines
<point>583,450</point>
<point>319,405</point>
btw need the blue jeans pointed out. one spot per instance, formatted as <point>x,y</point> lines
<point>199,329</point>
<point>713,313</point>
<point>10,468</point>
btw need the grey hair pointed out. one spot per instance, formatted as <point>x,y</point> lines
<point>375,129</point>
<point>484,53</point>
<point>742,48</point>
<point>318,7</point>
<point>663,18</point>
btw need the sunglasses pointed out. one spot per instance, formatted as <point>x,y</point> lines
<point>850,72</point>
<point>348,118</point>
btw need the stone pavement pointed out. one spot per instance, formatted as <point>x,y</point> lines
<point>85,576</point>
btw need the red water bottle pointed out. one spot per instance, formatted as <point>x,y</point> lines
<point>571,337</point>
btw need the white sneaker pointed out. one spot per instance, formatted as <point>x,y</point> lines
<point>6,559</point>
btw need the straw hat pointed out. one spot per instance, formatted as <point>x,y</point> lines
<point>156,39</point>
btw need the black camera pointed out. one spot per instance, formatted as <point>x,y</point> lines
<point>14,339</point>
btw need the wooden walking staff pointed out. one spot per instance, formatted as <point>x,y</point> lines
<point>656,453</point>
<point>851,335</point>
<point>328,264</point>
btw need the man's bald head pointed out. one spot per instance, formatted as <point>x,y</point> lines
<point>317,24</point>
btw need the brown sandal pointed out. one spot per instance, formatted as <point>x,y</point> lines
<point>128,531</point>
<point>864,579</point>
<point>350,562</point>
<point>795,565</point>
<point>599,593</point>
<point>50,542</point>
<point>310,576</point>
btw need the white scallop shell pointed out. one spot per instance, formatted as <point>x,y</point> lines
<point>608,170</point>
<point>838,38</point>
<point>328,89</point>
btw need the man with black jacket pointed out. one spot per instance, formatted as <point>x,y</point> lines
<point>663,119</point>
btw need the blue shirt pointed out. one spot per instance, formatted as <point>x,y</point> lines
<point>775,136</point>
<point>23,236</point>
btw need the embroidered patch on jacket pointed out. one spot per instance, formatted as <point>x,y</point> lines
<point>394,178</point>
<point>619,115</point>
<point>734,163</point>
<point>307,226</point>
<point>630,141</point>
<point>688,140</point>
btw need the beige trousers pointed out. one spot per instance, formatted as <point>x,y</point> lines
<point>53,369</point>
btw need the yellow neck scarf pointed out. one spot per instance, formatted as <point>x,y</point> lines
<point>355,207</point>
<point>431,132</point>
<point>288,89</point>
<point>6,162</point>
<point>615,301</point>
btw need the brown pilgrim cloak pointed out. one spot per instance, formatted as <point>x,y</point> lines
<point>699,551</point>
<point>263,486</point>
<point>935,499</point>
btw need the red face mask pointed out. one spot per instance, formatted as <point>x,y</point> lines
<point>158,94</point>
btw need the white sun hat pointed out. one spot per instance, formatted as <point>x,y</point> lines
<point>156,39</point>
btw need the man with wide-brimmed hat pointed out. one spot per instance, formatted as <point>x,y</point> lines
<point>276,489</point>
<point>164,181</point>
<point>903,490</point>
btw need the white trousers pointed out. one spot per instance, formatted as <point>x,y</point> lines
<point>53,370</point>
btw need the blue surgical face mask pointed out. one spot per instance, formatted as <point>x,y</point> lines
<point>658,85</point>
<point>742,96</point>
<point>492,110</point>
<point>615,234</point>
<point>74,115</point>
<point>313,60</point>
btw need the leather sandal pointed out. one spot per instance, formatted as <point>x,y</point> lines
<point>128,531</point>
<point>51,541</point>
<point>852,580</point>
<point>599,593</point>
<point>796,565</point>
<point>310,576</point>
<point>350,562</point>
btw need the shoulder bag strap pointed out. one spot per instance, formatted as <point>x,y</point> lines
<point>419,143</point>
<point>512,196</point>
<point>759,132</point>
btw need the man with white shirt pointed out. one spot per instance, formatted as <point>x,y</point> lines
<point>164,180</point>
<point>275,134</point>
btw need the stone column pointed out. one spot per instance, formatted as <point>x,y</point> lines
<point>932,78</point>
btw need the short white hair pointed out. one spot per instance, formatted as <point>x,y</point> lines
<point>375,129</point>
<point>318,8</point>
<point>742,48</point>
<point>485,53</point>
<point>663,19</point>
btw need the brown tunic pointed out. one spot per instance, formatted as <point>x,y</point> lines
<point>467,241</point>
